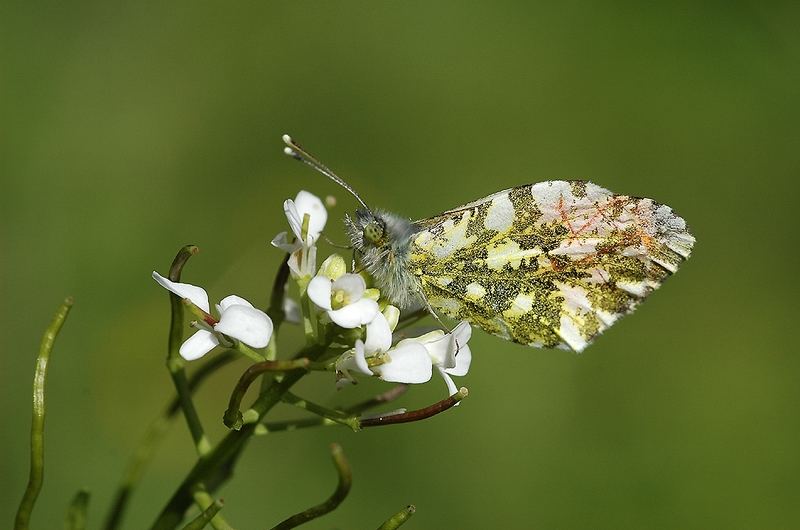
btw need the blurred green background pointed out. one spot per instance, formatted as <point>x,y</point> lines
<point>130,129</point>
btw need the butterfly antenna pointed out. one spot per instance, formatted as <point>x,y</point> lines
<point>296,151</point>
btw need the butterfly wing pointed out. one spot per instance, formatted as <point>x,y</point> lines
<point>551,264</point>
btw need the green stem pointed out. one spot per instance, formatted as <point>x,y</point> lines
<point>337,416</point>
<point>339,494</point>
<point>204,518</point>
<point>399,519</point>
<point>233,417</point>
<point>205,501</point>
<point>154,435</point>
<point>36,476</point>
<point>218,464</point>
<point>277,314</point>
<point>76,515</point>
<point>292,425</point>
<point>248,352</point>
<point>175,362</point>
<point>308,325</point>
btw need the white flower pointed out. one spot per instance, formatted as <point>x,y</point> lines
<point>306,204</point>
<point>449,352</point>
<point>406,363</point>
<point>238,319</point>
<point>343,299</point>
<point>303,252</point>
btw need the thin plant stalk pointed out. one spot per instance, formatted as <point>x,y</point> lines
<point>332,502</point>
<point>202,520</point>
<point>36,475</point>
<point>399,519</point>
<point>216,467</point>
<point>175,363</point>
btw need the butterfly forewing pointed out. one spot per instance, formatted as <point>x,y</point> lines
<point>551,264</point>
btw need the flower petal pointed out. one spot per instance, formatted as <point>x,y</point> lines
<point>295,221</point>
<point>354,315</point>
<point>360,359</point>
<point>197,295</point>
<point>451,386</point>
<point>463,332</point>
<point>319,291</point>
<point>392,315</point>
<point>231,300</point>
<point>308,203</point>
<point>247,324</point>
<point>437,343</point>
<point>458,341</point>
<point>463,362</point>
<point>351,361</point>
<point>198,345</point>
<point>379,335</point>
<point>303,262</point>
<point>282,242</point>
<point>352,284</point>
<point>408,364</point>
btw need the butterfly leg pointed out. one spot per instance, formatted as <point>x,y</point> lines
<point>435,315</point>
<point>337,245</point>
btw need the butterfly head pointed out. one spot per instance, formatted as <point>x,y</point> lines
<point>368,230</point>
<point>381,239</point>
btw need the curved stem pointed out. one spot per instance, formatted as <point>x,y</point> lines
<point>218,465</point>
<point>175,362</point>
<point>339,494</point>
<point>36,476</point>
<point>233,417</point>
<point>417,415</point>
<point>292,425</point>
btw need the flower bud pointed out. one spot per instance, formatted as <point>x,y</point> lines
<point>392,315</point>
<point>333,267</point>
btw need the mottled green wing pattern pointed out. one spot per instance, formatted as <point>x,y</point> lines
<point>551,264</point>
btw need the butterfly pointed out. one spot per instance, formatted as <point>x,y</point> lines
<point>549,265</point>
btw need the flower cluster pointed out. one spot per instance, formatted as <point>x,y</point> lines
<point>340,298</point>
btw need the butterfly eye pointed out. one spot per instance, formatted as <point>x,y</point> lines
<point>373,232</point>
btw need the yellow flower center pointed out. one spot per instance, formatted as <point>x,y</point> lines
<point>339,299</point>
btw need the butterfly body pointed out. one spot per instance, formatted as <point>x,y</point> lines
<point>387,258</point>
<point>551,264</point>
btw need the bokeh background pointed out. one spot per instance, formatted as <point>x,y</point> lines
<point>130,129</point>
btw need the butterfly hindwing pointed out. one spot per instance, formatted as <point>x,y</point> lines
<point>551,264</point>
